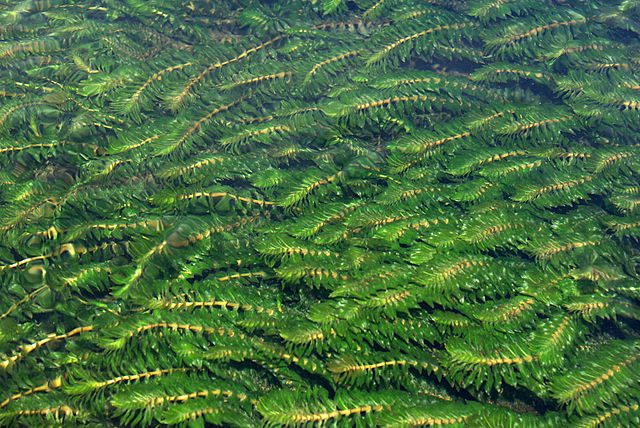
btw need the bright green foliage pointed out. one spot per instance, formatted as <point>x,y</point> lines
<point>320,213</point>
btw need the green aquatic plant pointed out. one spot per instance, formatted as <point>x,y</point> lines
<point>305,212</point>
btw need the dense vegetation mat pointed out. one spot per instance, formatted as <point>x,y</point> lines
<point>320,212</point>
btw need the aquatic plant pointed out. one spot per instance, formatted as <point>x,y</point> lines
<point>393,212</point>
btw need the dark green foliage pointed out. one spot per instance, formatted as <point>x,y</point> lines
<point>324,212</point>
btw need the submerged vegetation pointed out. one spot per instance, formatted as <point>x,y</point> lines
<point>290,213</point>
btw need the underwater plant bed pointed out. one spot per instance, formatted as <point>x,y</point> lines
<point>321,212</point>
